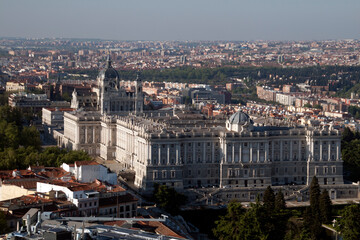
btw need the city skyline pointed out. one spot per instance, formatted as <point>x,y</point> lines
<point>185,20</point>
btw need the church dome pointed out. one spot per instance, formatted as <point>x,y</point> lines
<point>240,118</point>
<point>109,72</point>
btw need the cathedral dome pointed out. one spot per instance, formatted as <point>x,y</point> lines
<point>109,72</point>
<point>240,118</point>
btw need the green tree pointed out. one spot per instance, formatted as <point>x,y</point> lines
<point>12,135</point>
<point>349,223</point>
<point>314,196</point>
<point>325,206</point>
<point>347,135</point>
<point>350,151</point>
<point>280,201</point>
<point>312,216</point>
<point>258,222</point>
<point>168,199</point>
<point>30,136</point>
<point>229,226</point>
<point>307,105</point>
<point>306,233</point>
<point>71,157</point>
<point>269,199</point>
<point>10,115</point>
<point>252,225</point>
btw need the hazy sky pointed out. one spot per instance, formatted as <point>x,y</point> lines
<point>182,20</point>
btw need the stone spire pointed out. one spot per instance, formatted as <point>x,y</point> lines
<point>108,60</point>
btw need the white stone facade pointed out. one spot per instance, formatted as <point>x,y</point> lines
<point>95,131</point>
<point>169,151</point>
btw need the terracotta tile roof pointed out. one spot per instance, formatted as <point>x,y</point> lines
<point>112,201</point>
<point>74,186</point>
<point>29,183</point>
<point>156,227</point>
<point>54,173</point>
<point>24,201</point>
<point>95,186</point>
<point>6,174</point>
<point>81,163</point>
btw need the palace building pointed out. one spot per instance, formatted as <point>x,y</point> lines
<point>216,159</point>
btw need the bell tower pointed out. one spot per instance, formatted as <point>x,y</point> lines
<point>108,82</point>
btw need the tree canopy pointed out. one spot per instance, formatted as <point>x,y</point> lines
<point>259,222</point>
<point>350,151</point>
<point>20,146</point>
<point>349,222</point>
<point>168,198</point>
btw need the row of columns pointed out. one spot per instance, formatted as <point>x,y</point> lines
<point>251,150</point>
<point>321,157</point>
<point>177,155</point>
<point>168,154</point>
<point>232,151</point>
<point>291,150</point>
<point>89,135</point>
